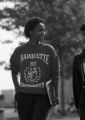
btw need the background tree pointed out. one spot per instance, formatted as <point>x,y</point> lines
<point>63,19</point>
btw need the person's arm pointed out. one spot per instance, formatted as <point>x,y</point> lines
<point>55,74</point>
<point>14,66</point>
<point>15,81</point>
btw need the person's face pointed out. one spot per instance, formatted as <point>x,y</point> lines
<point>38,33</point>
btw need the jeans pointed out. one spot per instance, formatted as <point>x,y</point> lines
<point>32,106</point>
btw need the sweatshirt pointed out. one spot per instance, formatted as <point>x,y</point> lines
<point>36,65</point>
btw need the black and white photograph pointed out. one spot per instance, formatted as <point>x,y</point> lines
<point>42,59</point>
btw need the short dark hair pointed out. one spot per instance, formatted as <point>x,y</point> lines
<point>31,25</point>
<point>82,28</point>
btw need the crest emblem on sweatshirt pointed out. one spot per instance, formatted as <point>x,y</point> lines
<point>32,73</point>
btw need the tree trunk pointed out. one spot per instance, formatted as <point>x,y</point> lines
<point>62,97</point>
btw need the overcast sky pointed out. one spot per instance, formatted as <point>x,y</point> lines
<point>7,49</point>
<point>5,53</point>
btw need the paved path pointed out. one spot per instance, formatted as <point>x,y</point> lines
<point>67,118</point>
<point>10,113</point>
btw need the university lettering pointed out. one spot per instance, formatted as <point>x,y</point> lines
<point>40,85</point>
<point>43,57</point>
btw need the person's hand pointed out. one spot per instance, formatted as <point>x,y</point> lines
<point>78,111</point>
<point>55,101</point>
<point>17,89</point>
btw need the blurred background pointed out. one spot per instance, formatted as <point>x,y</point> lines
<point>63,19</point>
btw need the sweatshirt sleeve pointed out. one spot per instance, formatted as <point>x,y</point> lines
<point>55,71</point>
<point>76,82</point>
<point>14,64</point>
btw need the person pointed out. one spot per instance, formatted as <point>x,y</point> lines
<point>79,79</point>
<point>36,62</point>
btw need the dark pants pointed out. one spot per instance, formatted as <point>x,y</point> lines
<point>82,112</point>
<point>32,106</point>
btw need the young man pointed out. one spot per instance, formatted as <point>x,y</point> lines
<point>37,63</point>
<point>79,80</point>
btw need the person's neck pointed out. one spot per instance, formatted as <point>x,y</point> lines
<point>33,42</point>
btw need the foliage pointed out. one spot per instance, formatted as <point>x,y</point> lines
<point>63,19</point>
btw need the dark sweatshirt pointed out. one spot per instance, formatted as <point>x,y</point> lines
<point>36,65</point>
<point>79,79</point>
